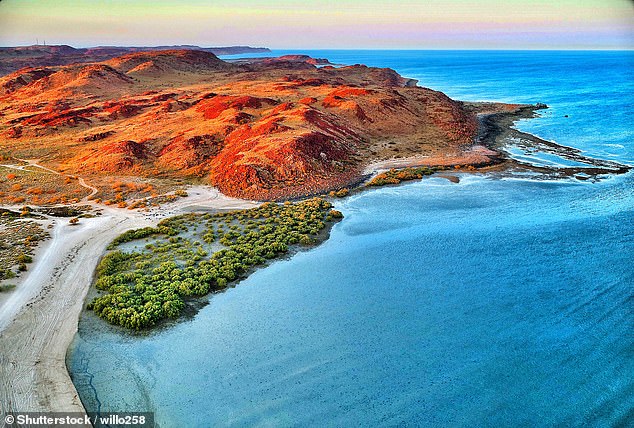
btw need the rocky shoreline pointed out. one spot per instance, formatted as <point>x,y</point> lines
<point>496,131</point>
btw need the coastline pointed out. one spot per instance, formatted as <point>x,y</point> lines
<point>496,129</point>
<point>487,153</point>
<point>33,370</point>
<point>33,345</point>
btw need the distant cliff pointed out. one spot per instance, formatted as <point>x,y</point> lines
<point>15,58</point>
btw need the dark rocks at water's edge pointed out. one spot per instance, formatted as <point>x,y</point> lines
<point>411,83</point>
<point>496,131</point>
<point>495,124</point>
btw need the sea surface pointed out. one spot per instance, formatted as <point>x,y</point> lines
<point>498,301</point>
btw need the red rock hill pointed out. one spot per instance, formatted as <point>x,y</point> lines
<point>269,129</point>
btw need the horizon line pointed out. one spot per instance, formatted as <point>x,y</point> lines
<point>558,49</point>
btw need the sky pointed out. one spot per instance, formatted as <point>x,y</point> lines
<point>323,24</point>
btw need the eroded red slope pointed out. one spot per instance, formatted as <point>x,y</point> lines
<point>271,129</point>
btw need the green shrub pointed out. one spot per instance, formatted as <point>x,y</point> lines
<point>24,258</point>
<point>6,287</point>
<point>6,274</point>
<point>132,235</point>
<point>394,176</point>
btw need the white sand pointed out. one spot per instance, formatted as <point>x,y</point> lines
<point>39,320</point>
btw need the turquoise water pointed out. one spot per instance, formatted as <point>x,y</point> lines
<point>492,302</point>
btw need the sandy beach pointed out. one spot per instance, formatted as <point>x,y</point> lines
<point>39,319</point>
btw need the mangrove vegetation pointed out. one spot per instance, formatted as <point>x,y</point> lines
<point>149,273</point>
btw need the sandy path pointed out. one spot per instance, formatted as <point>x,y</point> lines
<point>93,190</point>
<point>38,323</point>
<point>33,346</point>
<point>33,163</point>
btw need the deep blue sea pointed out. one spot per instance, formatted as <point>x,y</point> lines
<point>498,301</point>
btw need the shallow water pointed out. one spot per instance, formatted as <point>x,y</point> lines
<point>492,302</point>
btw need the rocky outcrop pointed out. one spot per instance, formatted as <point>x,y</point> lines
<point>117,157</point>
<point>216,105</point>
<point>158,63</point>
<point>296,58</point>
<point>190,155</point>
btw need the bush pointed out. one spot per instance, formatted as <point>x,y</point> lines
<point>24,258</point>
<point>336,214</point>
<point>394,176</point>
<point>339,193</point>
<point>6,287</point>
<point>132,235</point>
<point>6,274</point>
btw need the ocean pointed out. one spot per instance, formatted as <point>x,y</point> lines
<point>499,301</point>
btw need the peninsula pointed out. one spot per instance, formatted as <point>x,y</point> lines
<point>143,136</point>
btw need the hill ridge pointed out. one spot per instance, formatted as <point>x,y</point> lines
<point>262,130</point>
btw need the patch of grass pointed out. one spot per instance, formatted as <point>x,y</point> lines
<point>6,274</point>
<point>34,186</point>
<point>137,192</point>
<point>18,239</point>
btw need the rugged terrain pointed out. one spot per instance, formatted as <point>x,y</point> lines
<point>266,129</point>
<point>15,58</point>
